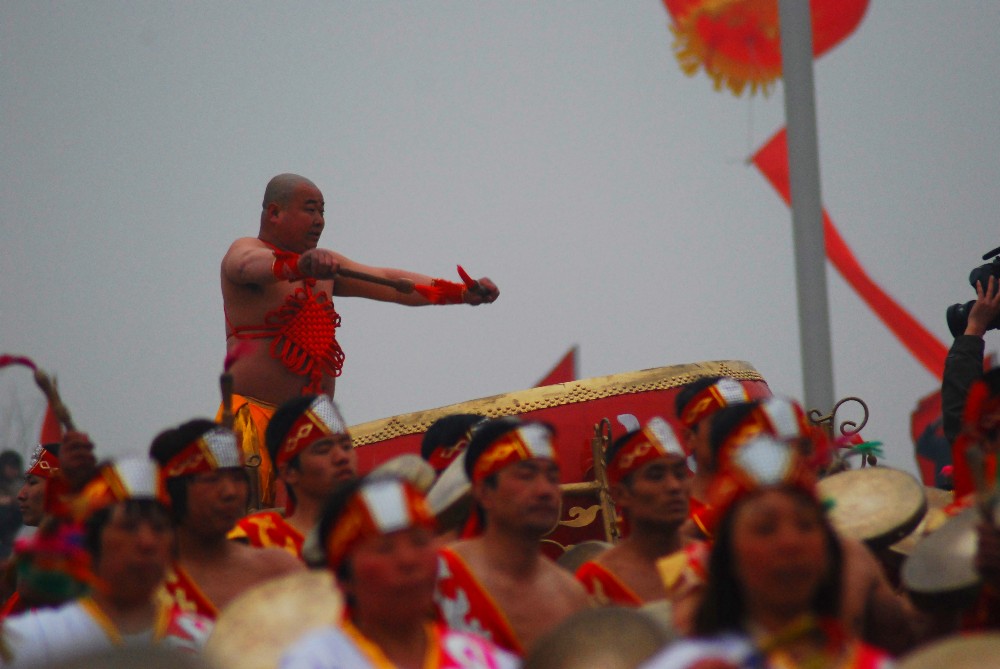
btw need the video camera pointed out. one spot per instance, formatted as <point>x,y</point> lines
<point>958,314</point>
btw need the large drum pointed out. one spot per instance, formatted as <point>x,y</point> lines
<point>574,408</point>
<point>937,501</point>
<point>877,505</point>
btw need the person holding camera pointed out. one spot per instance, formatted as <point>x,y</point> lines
<point>964,364</point>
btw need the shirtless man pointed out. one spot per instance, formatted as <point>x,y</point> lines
<point>208,489</point>
<point>277,292</point>
<point>499,584</point>
<point>650,483</point>
<point>308,441</point>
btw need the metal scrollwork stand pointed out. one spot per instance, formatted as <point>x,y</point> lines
<point>846,429</point>
<point>599,486</point>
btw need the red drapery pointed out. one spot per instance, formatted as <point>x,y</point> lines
<point>772,161</point>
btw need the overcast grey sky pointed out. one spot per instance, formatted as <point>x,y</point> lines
<point>553,146</point>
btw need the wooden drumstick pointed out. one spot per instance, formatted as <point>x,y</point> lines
<point>404,286</point>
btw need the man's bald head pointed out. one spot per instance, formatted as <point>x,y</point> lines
<point>280,188</point>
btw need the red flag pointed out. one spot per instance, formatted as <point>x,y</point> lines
<point>52,429</point>
<point>565,370</point>
<point>772,161</point>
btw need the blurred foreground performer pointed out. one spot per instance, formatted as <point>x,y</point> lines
<point>869,607</point>
<point>378,539</point>
<point>773,592</point>
<point>650,484</point>
<point>208,487</point>
<point>310,445</point>
<point>130,657</point>
<point>610,637</point>
<point>129,541</point>
<point>278,289</point>
<point>695,404</point>
<point>499,584</point>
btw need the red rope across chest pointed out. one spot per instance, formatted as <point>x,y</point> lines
<point>303,333</point>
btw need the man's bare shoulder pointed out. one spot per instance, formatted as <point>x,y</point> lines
<point>469,550</point>
<point>245,243</point>
<point>564,580</point>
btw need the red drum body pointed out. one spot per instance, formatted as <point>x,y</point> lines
<point>575,409</point>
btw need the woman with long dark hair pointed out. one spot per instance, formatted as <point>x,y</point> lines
<point>772,597</point>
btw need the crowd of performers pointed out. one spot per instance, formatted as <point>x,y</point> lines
<point>740,556</point>
<point>727,557</point>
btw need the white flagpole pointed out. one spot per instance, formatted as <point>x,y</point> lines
<point>807,207</point>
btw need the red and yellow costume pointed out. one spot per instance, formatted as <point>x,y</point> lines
<point>180,590</point>
<point>655,441</point>
<point>464,604</point>
<point>250,419</point>
<point>213,450</point>
<point>268,529</point>
<point>347,647</point>
<point>303,334</point>
<point>53,636</point>
<point>605,587</point>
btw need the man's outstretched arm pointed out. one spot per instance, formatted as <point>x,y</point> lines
<point>456,293</point>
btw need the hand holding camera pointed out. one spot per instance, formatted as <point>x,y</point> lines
<point>977,316</point>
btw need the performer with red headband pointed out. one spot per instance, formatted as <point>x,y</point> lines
<point>127,543</point>
<point>499,584</point>
<point>772,597</point>
<point>277,291</point>
<point>309,443</point>
<point>447,438</point>
<point>650,483</point>
<point>206,482</point>
<point>695,405</point>
<point>376,536</point>
<point>31,497</point>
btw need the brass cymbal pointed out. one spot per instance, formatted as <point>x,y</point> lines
<point>941,571</point>
<point>256,628</point>
<point>969,651</point>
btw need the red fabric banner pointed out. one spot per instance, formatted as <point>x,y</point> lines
<point>772,161</point>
